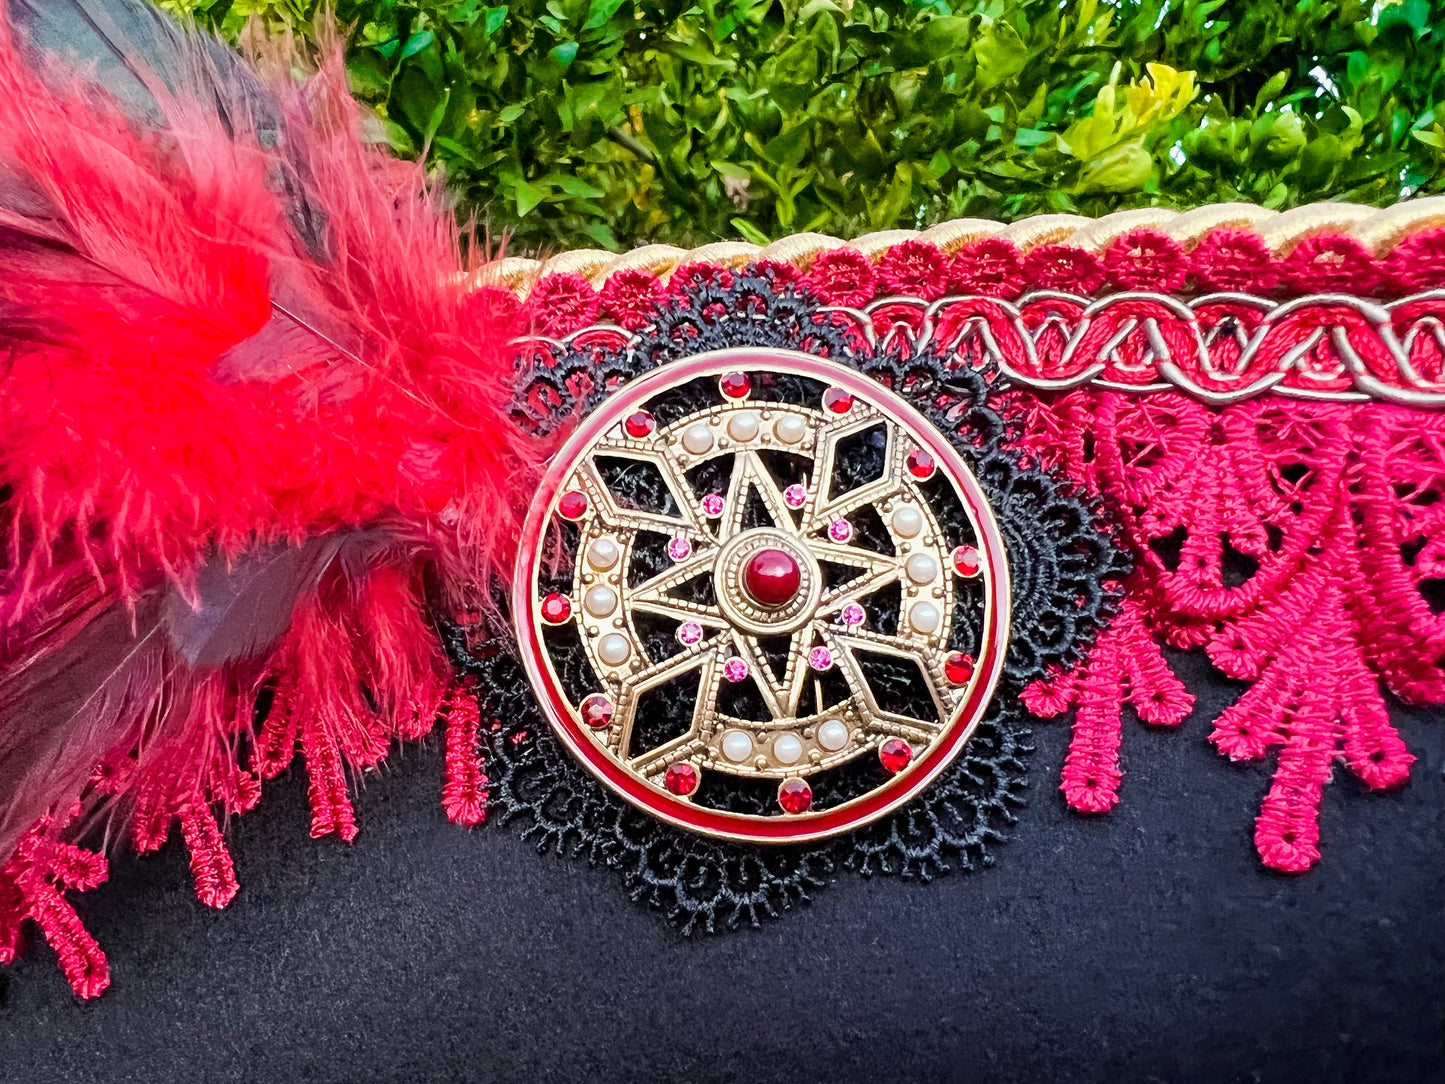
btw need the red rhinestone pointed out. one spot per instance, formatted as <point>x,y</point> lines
<point>895,754</point>
<point>921,464</point>
<point>556,608</point>
<point>681,778</point>
<point>735,385</point>
<point>772,577</point>
<point>596,711</point>
<point>795,796</point>
<point>640,424</point>
<point>958,668</point>
<point>573,505</point>
<point>967,562</point>
<point>837,400</point>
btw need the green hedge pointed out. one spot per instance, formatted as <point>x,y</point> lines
<point>614,122</point>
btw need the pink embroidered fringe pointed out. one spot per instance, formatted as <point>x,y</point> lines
<point>1300,542</point>
<point>1300,545</point>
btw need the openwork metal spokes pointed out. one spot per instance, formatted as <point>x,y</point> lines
<point>766,576</point>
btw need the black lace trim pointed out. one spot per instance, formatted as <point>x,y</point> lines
<point>708,885</point>
<point>1066,570</point>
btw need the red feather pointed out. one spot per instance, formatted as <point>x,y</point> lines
<point>245,411</point>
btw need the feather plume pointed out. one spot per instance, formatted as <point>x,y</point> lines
<point>242,608</point>
<point>246,410</point>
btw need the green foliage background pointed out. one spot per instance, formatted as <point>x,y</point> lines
<point>616,122</point>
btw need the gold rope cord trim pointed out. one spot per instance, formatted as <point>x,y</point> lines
<point>1378,229</point>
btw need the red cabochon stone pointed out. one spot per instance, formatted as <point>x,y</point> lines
<point>772,577</point>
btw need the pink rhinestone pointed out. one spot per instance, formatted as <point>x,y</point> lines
<point>840,530</point>
<point>712,505</point>
<point>735,669</point>
<point>795,496</point>
<point>820,658</point>
<point>853,615</point>
<point>689,633</point>
<point>679,549</point>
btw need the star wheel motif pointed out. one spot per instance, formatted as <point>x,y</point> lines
<point>764,587</point>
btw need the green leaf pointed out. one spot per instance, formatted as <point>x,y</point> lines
<point>704,119</point>
<point>575,186</point>
<point>814,7</point>
<point>697,54</point>
<point>1318,160</point>
<point>1271,89</point>
<point>601,235</point>
<point>748,231</point>
<point>524,194</point>
<point>415,44</point>
<point>367,76</point>
<point>1414,14</point>
<point>1119,169</point>
<point>787,148</point>
<point>933,40</point>
<point>1357,67</point>
<point>1000,54</point>
<point>600,13</point>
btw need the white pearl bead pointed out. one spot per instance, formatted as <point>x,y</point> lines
<point>600,601</point>
<point>924,617</point>
<point>743,426</point>
<point>907,520</point>
<point>832,735</point>
<point>737,746</point>
<point>697,438</point>
<point>603,554</point>
<point>613,649</point>
<point>787,749</point>
<point>790,428</point>
<point>921,568</point>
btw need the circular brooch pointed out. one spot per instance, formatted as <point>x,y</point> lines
<point>761,597</point>
<point>781,588</point>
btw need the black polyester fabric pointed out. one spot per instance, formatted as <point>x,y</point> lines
<point>1147,945</point>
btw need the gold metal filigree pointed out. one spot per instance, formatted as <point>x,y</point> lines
<point>723,630</point>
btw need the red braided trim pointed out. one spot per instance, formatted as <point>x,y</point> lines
<point>343,683</point>
<point>464,792</point>
<point>33,884</point>
<point>211,865</point>
<point>1147,260</point>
